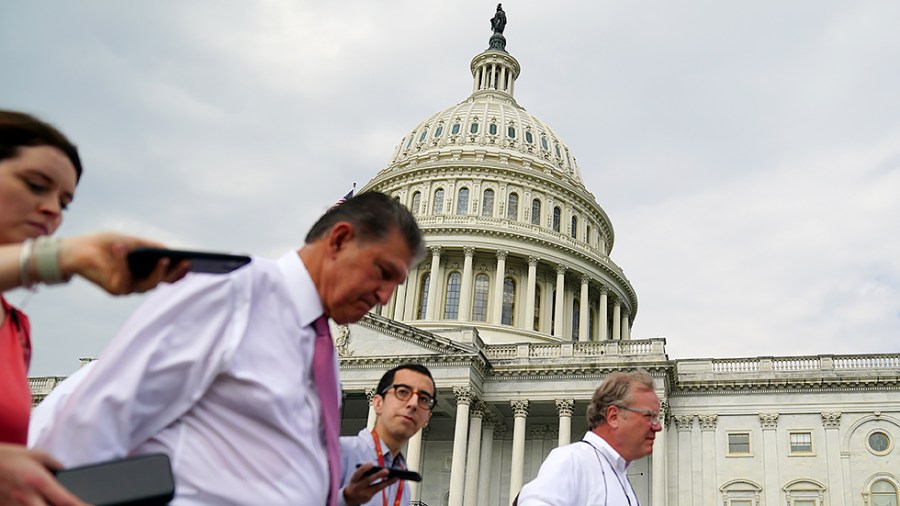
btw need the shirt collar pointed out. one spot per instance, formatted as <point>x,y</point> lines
<point>389,459</point>
<point>301,288</point>
<point>619,464</point>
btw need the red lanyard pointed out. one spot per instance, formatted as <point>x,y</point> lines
<point>381,463</point>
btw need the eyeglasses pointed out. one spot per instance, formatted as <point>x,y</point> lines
<point>404,392</point>
<point>655,417</point>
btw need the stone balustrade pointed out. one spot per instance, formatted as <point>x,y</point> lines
<point>650,348</point>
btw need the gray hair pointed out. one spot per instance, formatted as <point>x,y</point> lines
<point>615,390</point>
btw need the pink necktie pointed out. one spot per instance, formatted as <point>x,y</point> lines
<point>324,374</point>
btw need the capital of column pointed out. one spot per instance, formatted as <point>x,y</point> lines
<point>502,254</point>
<point>464,395</point>
<point>831,420</point>
<point>683,422</point>
<point>585,279</point>
<point>435,250</point>
<point>370,394</point>
<point>565,407</point>
<point>499,430</point>
<point>617,302</point>
<point>538,431</point>
<point>664,412</point>
<point>561,269</point>
<point>520,408</point>
<point>768,421</point>
<point>604,290</point>
<point>477,409</point>
<point>469,250</point>
<point>533,260</point>
<point>707,421</point>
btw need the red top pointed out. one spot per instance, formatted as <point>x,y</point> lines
<point>15,394</point>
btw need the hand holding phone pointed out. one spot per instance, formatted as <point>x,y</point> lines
<point>142,261</point>
<point>146,480</point>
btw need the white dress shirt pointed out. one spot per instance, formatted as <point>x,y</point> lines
<point>216,372</point>
<point>360,449</point>
<point>586,473</point>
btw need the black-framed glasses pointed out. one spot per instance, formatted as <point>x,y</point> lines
<point>654,416</point>
<point>404,392</point>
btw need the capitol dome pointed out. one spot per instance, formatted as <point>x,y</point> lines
<point>513,233</point>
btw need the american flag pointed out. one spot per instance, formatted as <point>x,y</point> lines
<point>343,199</point>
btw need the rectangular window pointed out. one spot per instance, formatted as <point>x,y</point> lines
<point>739,443</point>
<point>801,442</point>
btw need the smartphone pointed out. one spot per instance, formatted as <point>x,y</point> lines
<point>142,261</point>
<point>145,480</point>
<point>403,474</point>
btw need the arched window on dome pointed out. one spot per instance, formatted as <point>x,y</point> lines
<point>557,216</point>
<point>462,201</point>
<point>511,132</point>
<point>576,319</point>
<point>492,129</point>
<point>553,312</point>
<point>423,135</point>
<point>416,203</point>
<point>454,130</point>
<point>473,128</point>
<point>558,155</point>
<point>409,142</point>
<point>574,229</point>
<point>480,299</point>
<point>509,302</point>
<point>451,307</point>
<point>438,201</point>
<point>438,131</point>
<point>487,203</point>
<point>528,137</point>
<point>587,235</point>
<point>512,207</point>
<point>537,308</point>
<point>423,296</point>
<point>544,145</point>
<point>536,212</point>
<point>883,493</point>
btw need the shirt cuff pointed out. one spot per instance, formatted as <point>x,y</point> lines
<point>341,501</point>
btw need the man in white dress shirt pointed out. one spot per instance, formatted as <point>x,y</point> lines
<point>404,398</point>
<point>624,419</point>
<point>216,371</point>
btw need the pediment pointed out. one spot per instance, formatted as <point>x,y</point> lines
<point>378,337</point>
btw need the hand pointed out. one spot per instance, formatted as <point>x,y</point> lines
<point>361,488</point>
<point>25,479</point>
<point>101,259</point>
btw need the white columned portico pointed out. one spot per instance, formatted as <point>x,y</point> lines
<point>772,487</point>
<point>584,313</point>
<point>414,461</point>
<point>658,474</point>
<point>565,408</point>
<point>603,314</point>
<point>559,314</point>
<point>832,423</point>
<point>616,319</point>
<point>517,466</point>
<point>487,454</point>
<point>498,286</point>
<point>529,293</point>
<point>473,456</point>
<point>464,396</point>
<point>465,289</point>
<point>434,283</point>
<point>370,421</point>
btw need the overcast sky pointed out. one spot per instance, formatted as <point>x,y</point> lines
<point>748,153</point>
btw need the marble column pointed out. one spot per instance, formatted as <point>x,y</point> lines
<point>414,461</point>
<point>772,486</point>
<point>708,442</point>
<point>528,324</point>
<point>487,454</point>
<point>565,407</point>
<point>370,421</point>
<point>584,311</point>
<point>658,473</point>
<point>498,286</point>
<point>560,312</point>
<point>616,320</point>
<point>603,314</point>
<point>626,326</point>
<point>517,467</point>
<point>465,289</point>
<point>400,301</point>
<point>473,456</point>
<point>832,423</point>
<point>464,397</point>
<point>433,284</point>
<point>684,424</point>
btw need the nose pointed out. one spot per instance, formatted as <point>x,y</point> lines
<point>50,206</point>
<point>383,293</point>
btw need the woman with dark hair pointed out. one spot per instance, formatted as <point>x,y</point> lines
<point>39,170</point>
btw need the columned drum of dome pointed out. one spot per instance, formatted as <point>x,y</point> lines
<point>464,172</point>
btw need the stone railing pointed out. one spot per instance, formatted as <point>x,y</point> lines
<point>44,384</point>
<point>654,348</point>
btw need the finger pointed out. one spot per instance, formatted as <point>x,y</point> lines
<point>154,278</point>
<point>43,458</point>
<point>378,487</point>
<point>361,470</point>
<point>48,488</point>
<point>179,271</point>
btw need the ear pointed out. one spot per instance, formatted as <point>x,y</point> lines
<point>377,404</point>
<point>339,236</point>
<point>612,416</point>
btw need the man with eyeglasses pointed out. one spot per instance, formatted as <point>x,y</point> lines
<point>403,402</point>
<point>624,418</point>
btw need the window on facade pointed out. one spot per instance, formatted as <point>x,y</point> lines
<point>557,151</point>
<point>535,212</point>
<point>455,129</point>
<point>462,201</point>
<point>883,493</point>
<point>557,215</point>
<point>544,143</point>
<point>416,203</point>
<point>878,442</point>
<point>801,442</point>
<point>451,307</point>
<point>739,443</point>
<point>509,301</point>
<point>528,137</point>
<point>424,134</point>
<point>587,234</point>
<point>487,203</point>
<point>480,299</point>
<point>512,207</point>
<point>439,201</point>
<point>438,131</point>
<point>574,228</point>
<point>423,296</point>
<point>473,128</point>
<point>511,132</point>
<point>576,319</point>
<point>492,129</point>
<point>537,308</point>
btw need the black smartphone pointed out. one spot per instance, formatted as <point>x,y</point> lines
<point>142,261</point>
<point>403,474</point>
<point>145,480</point>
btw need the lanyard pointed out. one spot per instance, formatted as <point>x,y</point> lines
<point>381,463</point>
<point>613,469</point>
